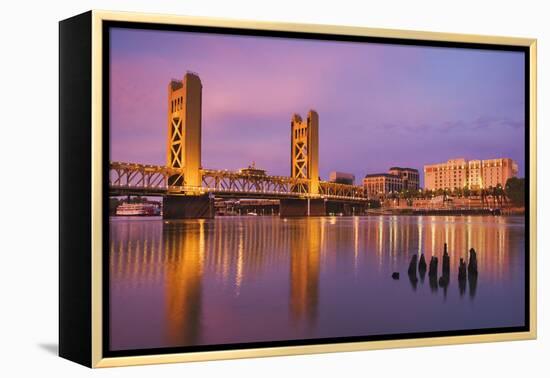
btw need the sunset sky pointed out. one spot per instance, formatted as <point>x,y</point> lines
<point>379,105</point>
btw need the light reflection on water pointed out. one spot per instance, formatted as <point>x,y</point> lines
<point>247,279</point>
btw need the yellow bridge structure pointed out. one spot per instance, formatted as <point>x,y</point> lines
<point>188,189</point>
<point>143,180</point>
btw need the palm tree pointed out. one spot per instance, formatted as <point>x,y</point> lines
<point>499,191</point>
<point>458,192</point>
<point>466,191</point>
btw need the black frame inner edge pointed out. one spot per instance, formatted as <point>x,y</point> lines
<point>106,25</point>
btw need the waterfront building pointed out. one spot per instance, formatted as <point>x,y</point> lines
<point>471,174</point>
<point>409,176</point>
<point>396,180</point>
<point>342,178</point>
<point>379,184</point>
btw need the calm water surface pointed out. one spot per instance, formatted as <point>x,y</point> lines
<point>250,279</point>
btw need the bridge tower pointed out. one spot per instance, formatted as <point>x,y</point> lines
<point>184,151</point>
<point>184,130</point>
<point>305,151</point>
<point>304,164</point>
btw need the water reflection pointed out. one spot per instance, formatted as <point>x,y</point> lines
<point>422,266</point>
<point>183,282</point>
<point>446,271</point>
<point>305,247</point>
<point>412,272</point>
<point>472,285</point>
<point>462,287</point>
<point>434,263</point>
<point>244,279</point>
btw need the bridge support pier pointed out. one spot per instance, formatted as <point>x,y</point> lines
<point>345,208</point>
<point>188,207</point>
<point>291,207</point>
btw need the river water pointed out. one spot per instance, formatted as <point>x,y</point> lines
<point>252,279</point>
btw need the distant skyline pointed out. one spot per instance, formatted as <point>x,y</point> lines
<point>379,105</point>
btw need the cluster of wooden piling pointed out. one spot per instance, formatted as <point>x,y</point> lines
<point>468,272</point>
<point>472,266</point>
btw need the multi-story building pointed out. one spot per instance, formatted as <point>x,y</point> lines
<point>471,174</point>
<point>379,184</point>
<point>342,178</point>
<point>409,176</point>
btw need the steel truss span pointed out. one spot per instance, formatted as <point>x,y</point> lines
<point>151,180</point>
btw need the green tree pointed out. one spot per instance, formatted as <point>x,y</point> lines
<point>515,190</point>
<point>113,204</point>
<point>373,204</point>
<point>458,192</point>
<point>500,194</point>
<point>466,192</point>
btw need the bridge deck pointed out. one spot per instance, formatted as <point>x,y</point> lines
<point>152,180</point>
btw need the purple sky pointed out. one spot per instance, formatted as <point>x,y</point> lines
<point>379,105</point>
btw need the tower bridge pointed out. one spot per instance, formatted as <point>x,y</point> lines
<point>188,189</point>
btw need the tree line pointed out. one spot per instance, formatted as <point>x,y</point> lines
<point>513,191</point>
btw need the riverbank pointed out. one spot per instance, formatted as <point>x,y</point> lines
<point>447,212</point>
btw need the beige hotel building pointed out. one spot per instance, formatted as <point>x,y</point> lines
<point>473,174</point>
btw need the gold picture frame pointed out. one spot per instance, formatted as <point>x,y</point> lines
<point>92,355</point>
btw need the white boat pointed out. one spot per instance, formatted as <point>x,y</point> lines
<point>138,209</point>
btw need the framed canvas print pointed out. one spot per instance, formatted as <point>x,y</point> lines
<point>235,189</point>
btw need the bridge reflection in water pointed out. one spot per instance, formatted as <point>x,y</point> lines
<point>247,279</point>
